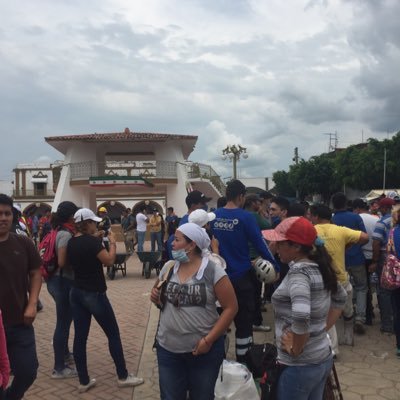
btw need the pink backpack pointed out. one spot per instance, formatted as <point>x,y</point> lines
<point>390,278</point>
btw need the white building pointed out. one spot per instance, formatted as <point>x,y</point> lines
<point>258,184</point>
<point>118,170</point>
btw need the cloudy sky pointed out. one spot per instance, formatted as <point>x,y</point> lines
<point>267,74</point>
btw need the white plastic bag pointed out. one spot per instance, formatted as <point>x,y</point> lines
<point>235,382</point>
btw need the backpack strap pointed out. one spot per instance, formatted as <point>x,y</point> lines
<point>162,282</point>
<point>168,273</point>
<point>390,244</point>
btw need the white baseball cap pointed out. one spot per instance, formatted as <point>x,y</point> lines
<point>201,217</point>
<point>85,214</point>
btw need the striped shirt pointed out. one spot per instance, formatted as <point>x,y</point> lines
<point>301,305</point>
<point>382,229</point>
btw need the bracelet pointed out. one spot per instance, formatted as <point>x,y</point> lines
<point>206,341</point>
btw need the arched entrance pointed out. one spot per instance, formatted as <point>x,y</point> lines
<point>150,206</point>
<point>114,209</point>
<point>37,209</point>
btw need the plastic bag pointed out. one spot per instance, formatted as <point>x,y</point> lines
<point>235,382</point>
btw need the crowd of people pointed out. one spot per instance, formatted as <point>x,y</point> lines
<point>325,264</point>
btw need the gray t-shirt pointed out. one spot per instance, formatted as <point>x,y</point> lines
<point>62,239</point>
<point>190,311</point>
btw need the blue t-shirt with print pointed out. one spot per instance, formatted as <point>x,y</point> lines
<point>234,228</point>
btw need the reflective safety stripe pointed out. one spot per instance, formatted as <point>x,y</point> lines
<point>243,345</point>
<point>244,341</point>
<point>242,351</point>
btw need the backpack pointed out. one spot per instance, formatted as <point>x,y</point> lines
<point>47,252</point>
<point>261,361</point>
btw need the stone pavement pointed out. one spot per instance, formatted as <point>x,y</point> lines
<point>129,297</point>
<point>368,371</point>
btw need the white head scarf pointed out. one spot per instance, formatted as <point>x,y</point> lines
<point>197,234</point>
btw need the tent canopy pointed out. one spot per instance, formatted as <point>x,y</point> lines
<point>374,193</point>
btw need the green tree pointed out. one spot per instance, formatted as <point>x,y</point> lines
<point>282,185</point>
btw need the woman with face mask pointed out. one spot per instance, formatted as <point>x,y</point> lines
<point>190,346</point>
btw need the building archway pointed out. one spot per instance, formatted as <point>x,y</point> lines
<point>37,209</point>
<point>114,210</point>
<point>149,205</point>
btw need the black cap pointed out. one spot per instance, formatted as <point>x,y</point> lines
<point>196,197</point>
<point>66,209</point>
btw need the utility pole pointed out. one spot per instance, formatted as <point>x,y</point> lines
<point>296,161</point>
<point>296,155</point>
<point>333,141</point>
<point>384,170</point>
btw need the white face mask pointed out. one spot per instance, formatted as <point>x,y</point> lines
<point>180,255</point>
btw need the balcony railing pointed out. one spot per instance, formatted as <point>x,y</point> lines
<point>204,171</point>
<point>147,169</point>
<point>33,193</point>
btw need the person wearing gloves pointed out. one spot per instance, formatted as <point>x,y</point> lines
<point>306,304</point>
<point>189,340</point>
<point>87,255</point>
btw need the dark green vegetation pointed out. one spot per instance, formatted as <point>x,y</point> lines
<point>359,167</point>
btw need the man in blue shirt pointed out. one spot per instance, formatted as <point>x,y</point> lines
<point>355,260</point>
<point>379,242</point>
<point>194,200</point>
<point>234,228</point>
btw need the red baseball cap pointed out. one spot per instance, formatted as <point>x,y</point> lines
<point>386,202</point>
<point>296,229</point>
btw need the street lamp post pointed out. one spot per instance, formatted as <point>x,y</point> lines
<point>233,153</point>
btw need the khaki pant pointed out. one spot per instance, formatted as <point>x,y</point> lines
<point>347,315</point>
<point>130,240</point>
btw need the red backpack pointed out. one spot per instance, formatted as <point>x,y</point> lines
<point>47,251</point>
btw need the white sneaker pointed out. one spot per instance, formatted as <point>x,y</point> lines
<point>85,388</point>
<point>261,328</point>
<point>130,380</point>
<point>66,373</point>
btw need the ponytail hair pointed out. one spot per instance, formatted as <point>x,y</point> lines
<point>320,256</point>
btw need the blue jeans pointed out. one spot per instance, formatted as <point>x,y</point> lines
<point>396,315</point>
<point>360,289</point>
<point>21,348</point>
<point>305,382</point>
<point>156,237</point>
<point>140,240</point>
<point>59,288</point>
<point>85,304</point>
<point>182,372</point>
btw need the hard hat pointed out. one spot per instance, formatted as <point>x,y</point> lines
<point>265,271</point>
<point>102,209</point>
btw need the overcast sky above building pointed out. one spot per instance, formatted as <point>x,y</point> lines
<point>267,74</point>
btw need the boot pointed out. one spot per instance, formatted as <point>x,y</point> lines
<point>348,335</point>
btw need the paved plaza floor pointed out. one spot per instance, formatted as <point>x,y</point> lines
<point>368,371</point>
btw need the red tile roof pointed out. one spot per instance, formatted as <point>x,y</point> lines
<point>126,136</point>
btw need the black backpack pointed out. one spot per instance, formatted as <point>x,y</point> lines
<point>261,361</point>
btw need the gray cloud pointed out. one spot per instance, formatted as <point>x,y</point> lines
<point>208,68</point>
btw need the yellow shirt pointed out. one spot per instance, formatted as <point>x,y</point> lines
<point>336,239</point>
<point>155,223</point>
